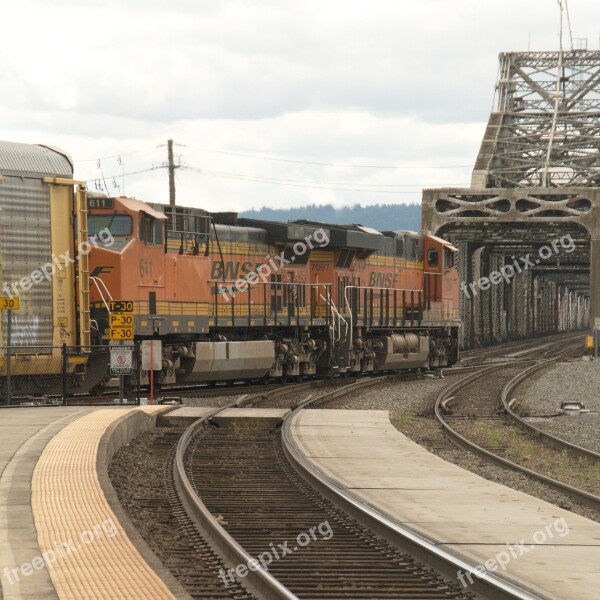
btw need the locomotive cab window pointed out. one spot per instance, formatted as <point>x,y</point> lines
<point>118,225</point>
<point>151,231</point>
<point>432,257</point>
<point>448,258</point>
<point>158,232</point>
<point>345,259</point>
<point>412,248</point>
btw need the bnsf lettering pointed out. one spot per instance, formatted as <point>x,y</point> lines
<point>233,270</point>
<point>383,280</point>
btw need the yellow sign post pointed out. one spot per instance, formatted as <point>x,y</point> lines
<point>121,321</point>
<point>121,306</point>
<point>121,333</point>
<point>8,304</point>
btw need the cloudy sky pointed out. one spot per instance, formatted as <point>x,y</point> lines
<point>270,102</point>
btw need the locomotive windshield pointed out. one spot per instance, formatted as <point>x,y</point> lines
<point>118,225</point>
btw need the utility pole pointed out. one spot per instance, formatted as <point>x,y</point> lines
<point>171,173</point>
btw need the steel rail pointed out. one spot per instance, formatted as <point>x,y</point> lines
<point>385,525</point>
<point>258,581</point>
<point>462,441</point>
<point>548,438</point>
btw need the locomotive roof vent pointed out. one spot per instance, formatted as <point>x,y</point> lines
<point>400,233</point>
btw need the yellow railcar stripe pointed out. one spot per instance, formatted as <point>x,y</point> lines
<point>63,181</point>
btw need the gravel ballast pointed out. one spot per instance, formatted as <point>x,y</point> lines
<point>573,381</point>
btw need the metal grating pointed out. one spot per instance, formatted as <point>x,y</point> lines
<point>25,245</point>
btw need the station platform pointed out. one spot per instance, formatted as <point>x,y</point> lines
<point>261,418</point>
<point>186,415</point>
<point>554,553</point>
<point>63,534</point>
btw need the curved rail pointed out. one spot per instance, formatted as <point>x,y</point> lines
<point>548,438</point>
<point>384,524</point>
<point>512,347</point>
<point>259,581</point>
<point>462,441</point>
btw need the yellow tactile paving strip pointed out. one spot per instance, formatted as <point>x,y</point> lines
<point>70,511</point>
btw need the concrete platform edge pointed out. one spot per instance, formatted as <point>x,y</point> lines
<point>118,434</point>
<point>399,534</point>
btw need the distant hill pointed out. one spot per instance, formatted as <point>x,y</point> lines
<point>384,217</point>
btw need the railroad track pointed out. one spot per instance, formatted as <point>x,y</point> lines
<point>469,361</point>
<point>490,427</point>
<point>220,389</point>
<point>244,495</point>
<point>512,348</point>
<point>246,498</point>
<point>243,490</point>
<point>145,483</point>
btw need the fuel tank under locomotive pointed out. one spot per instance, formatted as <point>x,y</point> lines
<point>400,351</point>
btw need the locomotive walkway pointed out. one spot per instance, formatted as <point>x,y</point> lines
<point>457,510</point>
<point>62,531</point>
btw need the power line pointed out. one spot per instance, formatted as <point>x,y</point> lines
<point>308,184</point>
<point>121,154</point>
<point>324,164</point>
<point>569,22</point>
<point>323,183</point>
<point>275,159</point>
<point>297,183</point>
<point>127,174</point>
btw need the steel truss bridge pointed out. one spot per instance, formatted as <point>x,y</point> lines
<point>536,181</point>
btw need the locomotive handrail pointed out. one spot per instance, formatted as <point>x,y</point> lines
<point>218,287</point>
<point>95,280</point>
<point>364,287</point>
<point>338,314</point>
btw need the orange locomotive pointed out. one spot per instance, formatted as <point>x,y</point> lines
<point>245,299</point>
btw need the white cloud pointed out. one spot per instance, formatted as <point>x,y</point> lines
<point>383,82</point>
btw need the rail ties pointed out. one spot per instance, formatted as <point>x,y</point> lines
<point>241,493</point>
<point>500,383</point>
<point>243,477</point>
